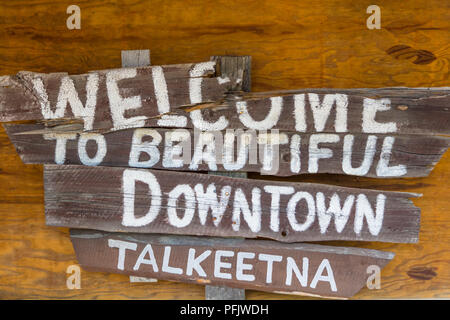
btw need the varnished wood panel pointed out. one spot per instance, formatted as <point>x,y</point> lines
<point>307,44</point>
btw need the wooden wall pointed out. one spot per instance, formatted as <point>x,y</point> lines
<point>294,44</point>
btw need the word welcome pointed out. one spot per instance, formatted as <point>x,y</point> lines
<point>319,107</point>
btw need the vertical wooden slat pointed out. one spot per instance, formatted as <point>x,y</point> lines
<point>233,67</point>
<point>137,58</point>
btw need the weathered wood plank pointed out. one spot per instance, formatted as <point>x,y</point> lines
<point>363,110</point>
<point>110,99</point>
<point>157,201</point>
<point>304,269</point>
<point>380,156</point>
<point>159,104</point>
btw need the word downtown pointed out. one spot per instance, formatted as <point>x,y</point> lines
<point>234,202</point>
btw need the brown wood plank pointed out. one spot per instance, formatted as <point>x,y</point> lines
<point>409,155</point>
<point>109,99</point>
<point>362,110</point>
<point>303,269</point>
<point>386,110</point>
<point>157,201</point>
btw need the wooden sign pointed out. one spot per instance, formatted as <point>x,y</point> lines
<point>281,153</point>
<point>122,124</point>
<point>303,269</point>
<point>158,201</point>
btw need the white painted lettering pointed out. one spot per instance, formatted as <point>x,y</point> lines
<point>243,142</point>
<point>219,264</point>
<point>270,259</point>
<point>122,246</point>
<point>364,209</point>
<point>369,153</point>
<point>340,214</point>
<point>162,100</point>
<point>295,153</point>
<point>150,148</point>
<point>241,266</point>
<point>205,150</point>
<point>269,122</point>
<point>321,111</point>
<point>253,218</point>
<point>189,196</point>
<point>275,192</point>
<point>68,94</point>
<point>316,153</point>
<point>61,141</point>
<point>101,148</point>
<point>130,176</point>
<point>299,112</point>
<point>325,264</point>
<point>291,267</point>
<point>120,105</point>
<point>174,155</point>
<point>291,211</point>
<point>195,82</point>
<point>383,169</point>
<point>142,260</point>
<point>193,263</point>
<point>166,260</point>
<point>208,200</point>
<point>371,107</point>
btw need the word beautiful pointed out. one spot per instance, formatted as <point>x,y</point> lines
<point>234,150</point>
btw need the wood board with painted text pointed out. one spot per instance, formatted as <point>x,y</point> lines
<point>153,201</point>
<point>262,265</point>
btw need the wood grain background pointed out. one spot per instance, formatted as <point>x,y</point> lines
<point>293,44</point>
